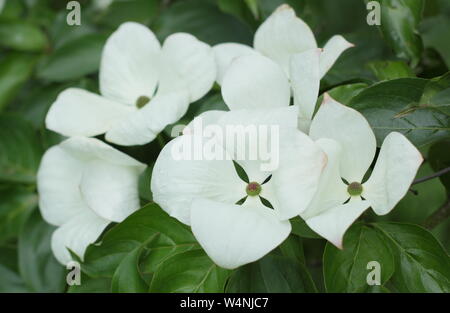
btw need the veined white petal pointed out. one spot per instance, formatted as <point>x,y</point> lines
<point>393,174</point>
<point>76,235</point>
<point>58,181</point>
<point>207,118</point>
<point>331,52</point>
<point>111,191</point>
<point>88,149</point>
<point>331,191</point>
<point>282,35</point>
<point>64,174</point>
<point>296,178</point>
<point>130,64</point>
<point>255,81</point>
<point>77,112</point>
<point>188,64</point>
<point>252,137</point>
<point>234,235</point>
<point>225,53</point>
<point>305,80</point>
<point>145,124</point>
<point>333,223</point>
<point>348,127</point>
<point>182,173</point>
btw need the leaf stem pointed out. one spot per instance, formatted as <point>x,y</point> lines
<point>439,216</point>
<point>437,174</point>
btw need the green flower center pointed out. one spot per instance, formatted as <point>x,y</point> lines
<point>141,101</point>
<point>253,189</point>
<point>355,189</point>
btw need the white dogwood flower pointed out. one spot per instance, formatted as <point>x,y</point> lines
<point>287,42</point>
<point>350,144</point>
<point>144,87</point>
<point>84,184</point>
<point>204,192</point>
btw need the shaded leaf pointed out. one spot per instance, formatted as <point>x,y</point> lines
<point>190,271</point>
<point>422,265</point>
<point>346,270</point>
<point>272,273</point>
<point>20,150</point>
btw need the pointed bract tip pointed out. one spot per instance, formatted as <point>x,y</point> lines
<point>283,7</point>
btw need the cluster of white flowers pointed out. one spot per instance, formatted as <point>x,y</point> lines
<point>84,184</point>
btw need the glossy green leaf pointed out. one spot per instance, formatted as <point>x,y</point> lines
<point>38,267</point>
<point>190,271</point>
<point>387,70</point>
<point>347,270</point>
<point>20,150</point>
<point>150,228</point>
<point>421,263</point>
<point>399,25</point>
<point>394,106</point>
<point>15,206</point>
<point>15,69</point>
<point>22,36</point>
<point>74,59</point>
<point>127,278</point>
<point>272,273</point>
<point>91,285</point>
<point>300,228</point>
<point>204,20</point>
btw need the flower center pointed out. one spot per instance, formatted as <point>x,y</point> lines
<point>253,189</point>
<point>355,189</point>
<point>141,101</point>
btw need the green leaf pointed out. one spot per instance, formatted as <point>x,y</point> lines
<point>439,158</point>
<point>150,228</point>
<point>20,148</point>
<point>22,36</point>
<point>394,106</point>
<point>399,23</point>
<point>190,271</point>
<point>346,270</point>
<point>127,278</point>
<point>15,207</point>
<point>15,69</point>
<point>91,285</point>
<point>387,70</point>
<point>300,228</point>
<point>434,30</point>
<point>422,265</point>
<point>272,273</point>
<point>38,267</point>
<point>74,59</point>
<point>204,20</point>
<point>292,247</point>
<point>118,12</point>
<point>10,279</point>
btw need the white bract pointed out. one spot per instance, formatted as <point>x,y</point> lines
<point>350,144</point>
<point>203,193</point>
<point>144,87</point>
<point>84,184</point>
<point>283,45</point>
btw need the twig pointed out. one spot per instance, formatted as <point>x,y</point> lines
<point>438,216</point>
<point>437,174</point>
